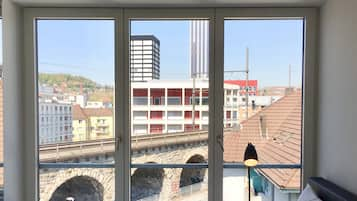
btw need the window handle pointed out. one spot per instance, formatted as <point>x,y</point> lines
<point>117,142</point>
<point>220,142</point>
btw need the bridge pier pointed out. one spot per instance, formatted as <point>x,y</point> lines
<point>171,184</point>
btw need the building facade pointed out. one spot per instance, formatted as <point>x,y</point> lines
<point>55,122</point>
<point>160,106</point>
<point>80,124</point>
<point>92,123</point>
<point>144,58</point>
<point>252,86</point>
<point>101,123</point>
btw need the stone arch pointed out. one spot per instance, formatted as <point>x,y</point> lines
<point>147,182</point>
<point>191,176</point>
<point>203,151</point>
<point>52,180</point>
<point>81,188</point>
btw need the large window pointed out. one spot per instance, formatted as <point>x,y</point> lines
<point>75,107</point>
<point>178,51</point>
<point>263,74</point>
<point>159,104</point>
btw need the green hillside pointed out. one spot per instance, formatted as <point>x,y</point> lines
<point>69,82</point>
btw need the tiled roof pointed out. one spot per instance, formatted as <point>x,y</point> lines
<point>280,145</point>
<point>83,113</point>
<point>78,113</point>
<point>98,112</point>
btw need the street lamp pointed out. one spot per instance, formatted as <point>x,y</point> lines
<point>250,160</point>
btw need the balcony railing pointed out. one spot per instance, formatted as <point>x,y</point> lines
<point>160,166</point>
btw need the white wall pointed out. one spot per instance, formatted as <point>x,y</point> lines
<point>337,136</point>
<point>13,133</point>
<point>234,184</point>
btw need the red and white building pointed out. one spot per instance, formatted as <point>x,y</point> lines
<point>252,86</point>
<point>164,106</point>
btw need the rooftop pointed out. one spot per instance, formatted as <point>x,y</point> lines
<point>279,144</point>
<point>83,113</point>
<point>78,113</point>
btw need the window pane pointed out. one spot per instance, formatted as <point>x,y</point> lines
<point>263,105</point>
<point>75,103</point>
<point>168,100</point>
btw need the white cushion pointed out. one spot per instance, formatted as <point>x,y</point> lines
<point>308,195</point>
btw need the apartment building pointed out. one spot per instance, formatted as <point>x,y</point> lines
<point>145,58</point>
<point>80,124</point>
<point>101,122</point>
<point>160,106</point>
<point>252,86</point>
<point>92,123</point>
<point>55,122</point>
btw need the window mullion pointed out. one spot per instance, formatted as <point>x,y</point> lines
<point>215,158</point>
<point>122,151</point>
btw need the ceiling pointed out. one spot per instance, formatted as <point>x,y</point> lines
<point>172,3</point>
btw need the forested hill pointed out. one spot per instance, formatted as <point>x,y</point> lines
<point>70,82</point>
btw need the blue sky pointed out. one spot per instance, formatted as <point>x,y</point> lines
<point>273,45</point>
<point>80,47</point>
<point>174,45</point>
<point>86,47</point>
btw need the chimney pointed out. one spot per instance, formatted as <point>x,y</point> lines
<point>263,126</point>
<point>253,105</point>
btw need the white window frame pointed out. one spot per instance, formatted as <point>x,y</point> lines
<point>121,74</point>
<point>309,85</point>
<point>189,13</point>
<point>122,85</point>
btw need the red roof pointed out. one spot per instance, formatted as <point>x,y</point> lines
<point>78,113</point>
<point>83,113</point>
<point>280,145</point>
<point>98,112</point>
<point>242,82</point>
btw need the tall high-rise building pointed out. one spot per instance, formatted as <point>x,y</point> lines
<point>199,40</point>
<point>144,58</point>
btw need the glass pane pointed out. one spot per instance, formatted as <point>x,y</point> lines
<point>263,105</point>
<point>77,184</point>
<point>75,96</point>
<point>169,96</point>
<point>151,184</point>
